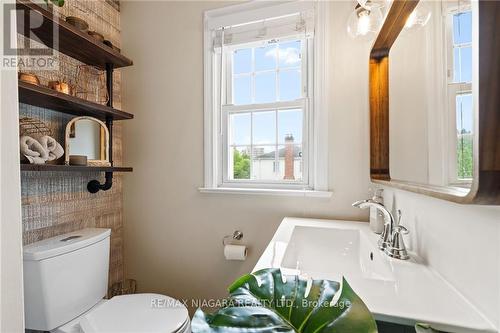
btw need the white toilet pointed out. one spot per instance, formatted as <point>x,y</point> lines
<point>65,280</point>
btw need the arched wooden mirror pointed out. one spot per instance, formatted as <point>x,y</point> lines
<point>88,136</point>
<point>435,100</point>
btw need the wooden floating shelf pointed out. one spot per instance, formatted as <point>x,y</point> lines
<point>70,41</point>
<point>54,100</point>
<point>73,168</point>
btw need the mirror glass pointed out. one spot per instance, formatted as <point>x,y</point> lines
<point>87,137</point>
<point>432,110</point>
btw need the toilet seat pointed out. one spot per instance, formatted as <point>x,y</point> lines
<point>137,313</point>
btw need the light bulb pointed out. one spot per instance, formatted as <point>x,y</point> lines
<point>364,23</point>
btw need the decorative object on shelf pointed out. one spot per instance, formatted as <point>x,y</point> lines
<point>63,87</point>
<point>90,138</point>
<point>110,44</point>
<point>96,35</point>
<point>80,160</point>
<point>53,148</point>
<point>365,22</point>
<point>37,145</point>
<point>29,78</point>
<point>32,151</point>
<point>46,149</point>
<point>78,23</point>
<point>269,301</point>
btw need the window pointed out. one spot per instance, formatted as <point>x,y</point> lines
<point>459,73</point>
<point>262,119</point>
<point>266,111</point>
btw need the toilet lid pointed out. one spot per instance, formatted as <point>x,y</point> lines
<point>152,313</point>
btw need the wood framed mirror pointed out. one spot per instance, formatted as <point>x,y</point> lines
<point>87,136</point>
<point>419,159</point>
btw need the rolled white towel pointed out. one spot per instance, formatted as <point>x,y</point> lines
<point>53,147</point>
<point>32,150</point>
<point>35,160</point>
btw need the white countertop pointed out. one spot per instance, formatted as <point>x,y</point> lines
<point>418,294</point>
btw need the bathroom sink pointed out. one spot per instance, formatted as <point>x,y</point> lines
<point>332,252</point>
<point>398,291</point>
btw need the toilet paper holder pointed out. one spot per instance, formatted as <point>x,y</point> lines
<point>237,235</point>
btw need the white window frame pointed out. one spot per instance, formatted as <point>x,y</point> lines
<point>316,120</point>
<point>454,89</point>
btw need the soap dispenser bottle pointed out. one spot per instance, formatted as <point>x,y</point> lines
<point>376,216</point>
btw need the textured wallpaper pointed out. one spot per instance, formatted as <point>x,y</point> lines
<point>54,203</point>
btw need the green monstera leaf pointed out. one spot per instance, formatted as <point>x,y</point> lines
<point>267,301</point>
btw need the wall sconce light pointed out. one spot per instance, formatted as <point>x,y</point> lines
<point>365,21</point>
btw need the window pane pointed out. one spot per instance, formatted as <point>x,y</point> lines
<point>240,131</point>
<point>466,64</point>
<point>264,127</point>
<point>239,160</point>
<point>265,58</point>
<point>290,162</point>
<point>465,123</point>
<point>290,85</point>
<point>242,61</point>
<point>465,117</point>
<point>462,28</point>
<point>264,166</point>
<point>290,124</point>
<point>289,54</point>
<point>265,87</point>
<point>242,90</point>
<point>462,64</point>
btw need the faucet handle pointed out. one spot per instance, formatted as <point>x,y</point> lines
<point>397,248</point>
<point>400,214</point>
<point>401,229</point>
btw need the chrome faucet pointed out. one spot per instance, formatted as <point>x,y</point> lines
<point>391,241</point>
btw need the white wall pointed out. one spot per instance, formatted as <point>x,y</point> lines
<point>461,242</point>
<point>173,233</point>
<point>11,273</point>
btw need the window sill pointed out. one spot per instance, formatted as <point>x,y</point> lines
<point>274,192</point>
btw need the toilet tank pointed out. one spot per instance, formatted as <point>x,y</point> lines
<point>64,276</point>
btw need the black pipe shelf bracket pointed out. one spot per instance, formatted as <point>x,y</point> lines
<point>95,186</point>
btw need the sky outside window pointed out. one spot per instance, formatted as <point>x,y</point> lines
<point>266,74</point>
<point>462,47</point>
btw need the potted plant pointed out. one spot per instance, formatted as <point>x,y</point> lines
<point>268,301</point>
